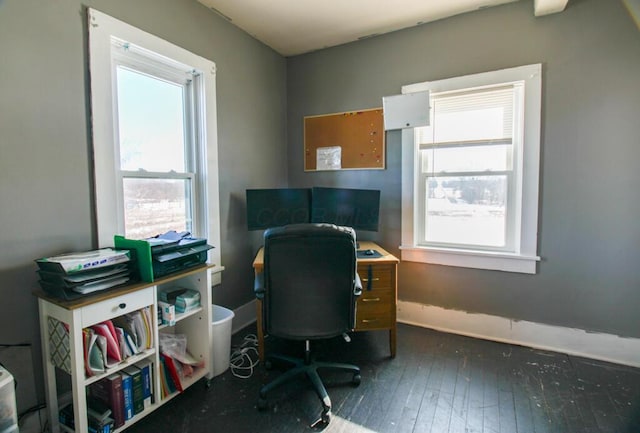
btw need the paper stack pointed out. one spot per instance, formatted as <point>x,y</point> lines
<point>71,275</point>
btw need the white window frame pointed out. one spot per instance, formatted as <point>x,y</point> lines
<point>105,32</point>
<point>524,256</point>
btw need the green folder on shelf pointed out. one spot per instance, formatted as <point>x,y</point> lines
<point>142,253</point>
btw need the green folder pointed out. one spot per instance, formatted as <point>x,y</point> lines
<point>142,253</point>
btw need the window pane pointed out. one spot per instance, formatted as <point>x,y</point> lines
<point>150,122</point>
<point>469,210</point>
<point>154,206</point>
<point>475,158</point>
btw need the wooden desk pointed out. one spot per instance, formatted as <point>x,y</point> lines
<point>376,307</point>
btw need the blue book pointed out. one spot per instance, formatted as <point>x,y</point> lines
<point>127,391</point>
<point>145,367</point>
<point>136,388</point>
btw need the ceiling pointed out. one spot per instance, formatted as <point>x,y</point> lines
<point>294,27</point>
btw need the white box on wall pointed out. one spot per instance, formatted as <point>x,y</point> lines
<point>408,110</point>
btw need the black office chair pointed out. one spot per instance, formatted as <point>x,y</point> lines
<point>308,290</point>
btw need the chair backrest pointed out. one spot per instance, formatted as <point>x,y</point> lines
<point>309,279</point>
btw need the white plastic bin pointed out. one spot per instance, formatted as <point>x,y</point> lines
<point>221,338</point>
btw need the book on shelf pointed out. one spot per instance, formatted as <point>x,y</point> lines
<point>109,391</point>
<point>173,375</point>
<point>127,395</point>
<point>146,368</point>
<point>65,417</point>
<point>166,378</point>
<point>97,409</point>
<point>137,392</point>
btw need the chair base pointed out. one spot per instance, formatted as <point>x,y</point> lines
<point>310,369</point>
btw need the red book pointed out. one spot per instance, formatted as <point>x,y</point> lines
<point>173,371</point>
<point>109,391</point>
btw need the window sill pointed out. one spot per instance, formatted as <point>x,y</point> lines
<point>471,259</point>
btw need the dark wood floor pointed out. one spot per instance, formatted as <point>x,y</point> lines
<point>438,382</point>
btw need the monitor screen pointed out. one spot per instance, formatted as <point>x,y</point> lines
<point>357,208</point>
<point>277,207</point>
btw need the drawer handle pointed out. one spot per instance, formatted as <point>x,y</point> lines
<point>372,279</point>
<point>370,299</point>
<point>122,306</point>
<point>369,320</point>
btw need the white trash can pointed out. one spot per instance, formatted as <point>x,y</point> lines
<point>221,319</point>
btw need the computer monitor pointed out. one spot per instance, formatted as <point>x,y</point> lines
<point>277,207</point>
<point>357,208</point>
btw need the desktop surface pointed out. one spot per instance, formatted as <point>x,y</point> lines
<point>380,255</point>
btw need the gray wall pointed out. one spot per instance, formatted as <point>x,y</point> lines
<point>589,235</point>
<point>589,232</point>
<point>45,167</point>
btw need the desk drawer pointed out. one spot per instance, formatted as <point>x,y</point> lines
<point>375,309</point>
<point>379,276</point>
<point>114,307</point>
<point>366,320</point>
<point>375,299</point>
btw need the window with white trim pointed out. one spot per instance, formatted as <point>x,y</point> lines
<point>154,135</point>
<point>470,178</point>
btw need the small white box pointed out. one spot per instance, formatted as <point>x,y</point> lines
<point>168,313</point>
<point>8,412</point>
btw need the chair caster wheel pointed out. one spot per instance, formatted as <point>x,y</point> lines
<point>262,403</point>
<point>322,423</point>
<point>356,379</point>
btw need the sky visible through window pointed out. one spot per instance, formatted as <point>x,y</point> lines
<point>151,128</point>
<point>151,123</point>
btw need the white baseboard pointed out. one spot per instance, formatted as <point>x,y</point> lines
<point>245,315</point>
<point>604,347</point>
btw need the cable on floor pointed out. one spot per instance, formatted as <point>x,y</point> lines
<point>245,358</point>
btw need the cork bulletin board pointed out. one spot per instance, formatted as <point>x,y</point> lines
<point>349,140</point>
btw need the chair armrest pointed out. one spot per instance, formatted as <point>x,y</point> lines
<point>258,286</point>
<point>357,290</point>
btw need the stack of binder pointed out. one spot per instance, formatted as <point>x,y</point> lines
<point>69,276</point>
<point>173,252</point>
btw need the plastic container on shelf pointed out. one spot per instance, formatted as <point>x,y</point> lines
<point>8,412</point>
<point>220,339</point>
